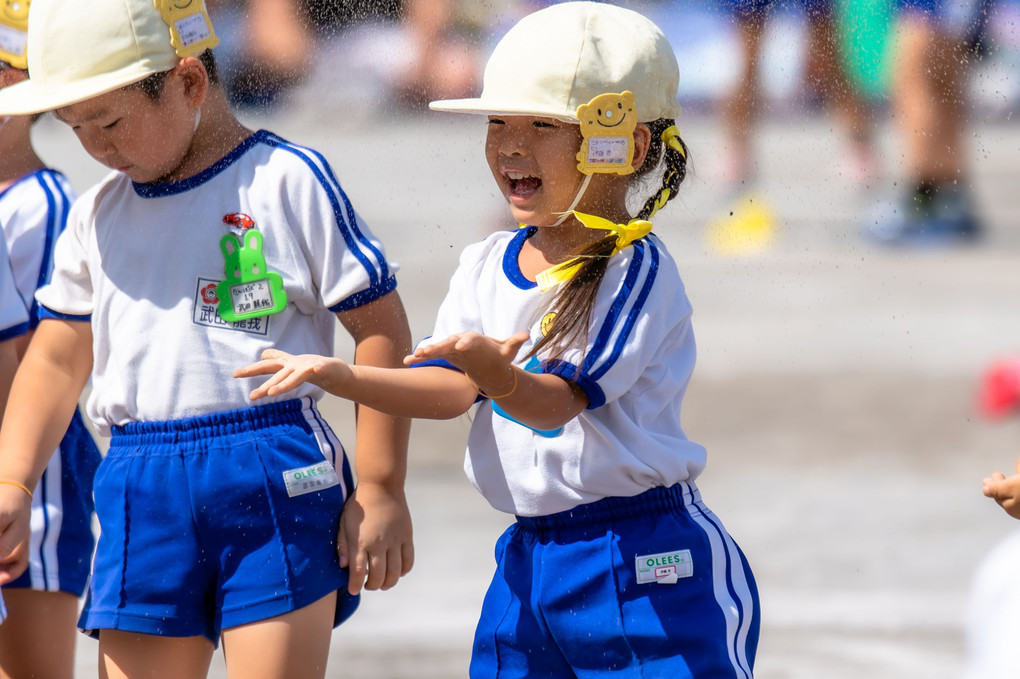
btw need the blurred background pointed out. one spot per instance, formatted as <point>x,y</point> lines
<point>848,321</point>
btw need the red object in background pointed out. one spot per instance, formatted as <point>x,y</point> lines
<point>1000,388</point>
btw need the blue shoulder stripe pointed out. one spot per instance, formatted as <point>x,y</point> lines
<point>58,204</point>
<point>606,350</point>
<point>361,246</point>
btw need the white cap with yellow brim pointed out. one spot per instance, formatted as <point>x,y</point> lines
<point>80,49</point>
<point>561,57</point>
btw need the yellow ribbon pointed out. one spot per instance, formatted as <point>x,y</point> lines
<point>671,138</point>
<point>625,235</point>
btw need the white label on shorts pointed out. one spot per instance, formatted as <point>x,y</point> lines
<point>310,479</point>
<point>665,568</point>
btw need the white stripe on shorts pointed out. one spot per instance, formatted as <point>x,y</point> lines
<point>726,556</point>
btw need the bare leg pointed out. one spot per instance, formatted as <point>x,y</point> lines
<point>928,100</point>
<point>929,104</point>
<point>828,74</point>
<point>37,640</point>
<point>741,107</point>
<point>126,654</point>
<point>292,645</point>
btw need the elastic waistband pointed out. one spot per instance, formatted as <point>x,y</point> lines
<point>223,423</point>
<point>602,512</point>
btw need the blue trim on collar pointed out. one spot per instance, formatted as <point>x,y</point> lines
<point>511,267</point>
<point>161,189</point>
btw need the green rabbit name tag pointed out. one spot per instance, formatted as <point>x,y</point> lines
<point>251,289</point>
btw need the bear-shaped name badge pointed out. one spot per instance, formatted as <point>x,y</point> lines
<point>191,30</point>
<point>607,128</point>
<point>14,32</point>
<point>250,290</point>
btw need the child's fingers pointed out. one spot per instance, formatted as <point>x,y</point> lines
<point>341,546</point>
<point>263,367</point>
<point>358,572</point>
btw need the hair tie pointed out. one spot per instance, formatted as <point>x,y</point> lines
<point>671,138</point>
<point>625,233</point>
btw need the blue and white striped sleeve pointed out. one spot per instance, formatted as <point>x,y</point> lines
<point>640,328</point>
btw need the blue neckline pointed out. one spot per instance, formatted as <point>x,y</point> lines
<point>160,189</point>
<point>512,267</point>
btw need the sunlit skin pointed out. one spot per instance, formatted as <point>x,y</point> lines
<point>155,141</point>
<point>533,161</point>
<point>185,130</point>
<point>1005,490</point>
<point>39,636</point>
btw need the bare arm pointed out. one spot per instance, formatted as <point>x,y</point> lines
<point>540,401</point>
<point>42,400</point>
<point>375,536</point>
<point>430,393</point>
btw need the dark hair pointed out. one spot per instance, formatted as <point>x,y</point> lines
<point>576,298</point>
<point>152,86</point>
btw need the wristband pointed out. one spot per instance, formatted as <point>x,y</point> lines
<point>26,489</point>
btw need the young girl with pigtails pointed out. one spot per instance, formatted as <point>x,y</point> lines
<point>571,337</point>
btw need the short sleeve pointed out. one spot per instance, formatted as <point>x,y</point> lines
<point>640,330</point>
<point>346,263</point>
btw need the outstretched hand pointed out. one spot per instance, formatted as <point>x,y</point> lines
<point>289,372</point>
<point>1005,490</point>
<point>482,358</point>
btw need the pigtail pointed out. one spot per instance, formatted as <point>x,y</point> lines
<point>576,297</point>
<point>666,145</point>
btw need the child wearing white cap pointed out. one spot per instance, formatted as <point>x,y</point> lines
<point>207,244</point>
<point>572,336</point>
<point>43,601</point>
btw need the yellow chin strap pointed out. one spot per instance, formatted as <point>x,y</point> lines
<point>625,235</point>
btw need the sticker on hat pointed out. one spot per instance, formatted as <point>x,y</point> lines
<point>14,32</point>
<point>191,30</point>
<point>607,127</point>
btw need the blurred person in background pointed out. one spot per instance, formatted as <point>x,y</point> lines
<point>422,49</point>
<point>937,42</point>
<point>825,78</point>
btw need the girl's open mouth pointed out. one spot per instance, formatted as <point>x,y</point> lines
<point>522,186</point>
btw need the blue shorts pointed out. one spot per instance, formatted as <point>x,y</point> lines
<point>648,586</point>
<point>217,521</point>
<point>61,541</point>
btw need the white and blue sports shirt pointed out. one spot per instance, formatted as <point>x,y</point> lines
<point>634,370</point>
<point>141,263</point>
